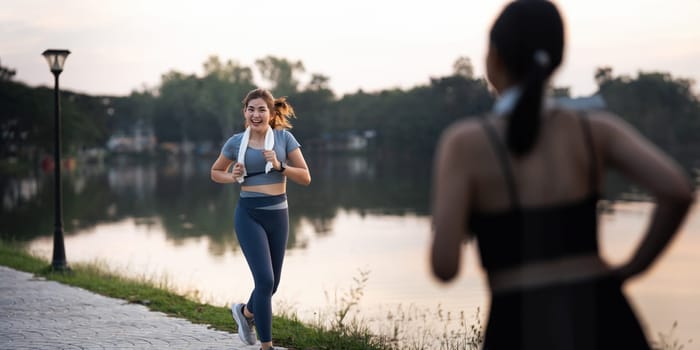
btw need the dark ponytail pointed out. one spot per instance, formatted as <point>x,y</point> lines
<point>529,38</point>
<point>524,120</point>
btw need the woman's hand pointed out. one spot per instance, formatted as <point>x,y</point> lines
<point>238,170</point>
<point>271,156</point>
<point>638,159</point>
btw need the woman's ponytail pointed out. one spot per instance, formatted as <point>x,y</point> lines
<point>281,114</point>
<point>528,36</point>
<point>524,121</point>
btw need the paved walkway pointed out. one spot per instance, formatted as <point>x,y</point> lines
<point>40,314</point>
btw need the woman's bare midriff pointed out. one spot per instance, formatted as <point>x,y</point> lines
<point>570,269</point>
<point>271,189</point>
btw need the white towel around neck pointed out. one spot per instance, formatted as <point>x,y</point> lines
<point>269,144</point>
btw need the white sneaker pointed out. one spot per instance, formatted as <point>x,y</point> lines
<point>245,324</point>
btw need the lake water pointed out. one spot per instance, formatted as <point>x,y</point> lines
<point>360,217</point>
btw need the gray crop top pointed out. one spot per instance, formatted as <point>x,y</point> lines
<point>254,160</point>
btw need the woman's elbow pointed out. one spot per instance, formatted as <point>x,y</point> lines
<point>305,180</point>
<point>444,272</point>
<point>682,195</point>
<point>445,266</point>
<point>214,177</point>
<point>689,194</point>
<point>688,198</point>
<point>685,200</point>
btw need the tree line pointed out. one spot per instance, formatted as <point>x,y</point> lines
<point>206,108</point>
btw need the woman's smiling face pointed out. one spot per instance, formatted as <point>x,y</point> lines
<point>257,114</point>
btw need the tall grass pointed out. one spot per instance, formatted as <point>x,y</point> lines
<point>414,328</point>
<point>668,341</point>
<point>401,328</point>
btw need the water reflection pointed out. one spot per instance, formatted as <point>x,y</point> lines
<point>17,191</point>
<point>179,194</point>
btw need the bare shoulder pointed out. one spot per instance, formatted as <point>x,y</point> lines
<point>610,126</point>
<point>463,132</point>
<point>461,142</point>
<point>606,119</point>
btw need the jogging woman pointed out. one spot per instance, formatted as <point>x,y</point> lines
<point>262,158</point>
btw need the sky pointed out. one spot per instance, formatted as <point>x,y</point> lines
<point>118,46</point>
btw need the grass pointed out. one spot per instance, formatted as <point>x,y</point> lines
<point>668,341</point>
<point>402,328</point>
<point>157,295</point>
<point>340,327</point>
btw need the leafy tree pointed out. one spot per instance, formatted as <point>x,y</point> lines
<point>6,73</point>
<point>84,120</point>
<point>27,120</point>
<point>206,108</point>
<point>314,108</point>
<point>410,121</point>
<point>662,107</point>
<point>139,106</point>
<point>280,72</point>
<point>603,75</point>
<point>463,67</point>
<point>223,88</point>
<point>176,114</point>
<point>319,82</point>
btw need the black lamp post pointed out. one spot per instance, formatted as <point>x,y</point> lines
<point>56,59</point>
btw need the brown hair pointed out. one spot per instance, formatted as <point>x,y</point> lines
<point>280,110</point>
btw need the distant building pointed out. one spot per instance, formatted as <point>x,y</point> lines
<point>581,103</point>
<point>139,139</point>
<point>352,141</point>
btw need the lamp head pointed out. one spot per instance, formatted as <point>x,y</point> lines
<point>56,59</point>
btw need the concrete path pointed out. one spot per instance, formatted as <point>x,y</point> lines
<point>40,314</point>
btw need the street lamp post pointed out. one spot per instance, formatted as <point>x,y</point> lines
<point>56,59</point>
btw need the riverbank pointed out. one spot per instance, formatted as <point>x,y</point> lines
<point>156,296</point>
<point>289,331</point>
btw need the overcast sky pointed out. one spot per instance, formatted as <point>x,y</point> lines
<point>121,45</point>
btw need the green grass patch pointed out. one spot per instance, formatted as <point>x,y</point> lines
<point>157,296</point>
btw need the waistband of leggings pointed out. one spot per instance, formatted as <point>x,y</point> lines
<point>257,202</point>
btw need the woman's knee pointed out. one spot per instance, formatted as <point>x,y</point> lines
<point>265,285</point>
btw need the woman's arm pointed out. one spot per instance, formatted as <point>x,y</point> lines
<point>642,162</point>
<point>450,204</point>
<point>219,170</point>
<point>296,168</point>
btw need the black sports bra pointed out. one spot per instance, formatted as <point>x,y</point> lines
<point>521,235</point>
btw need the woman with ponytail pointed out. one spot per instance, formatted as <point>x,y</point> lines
<point>262,158</point>
<point>524,181</point>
